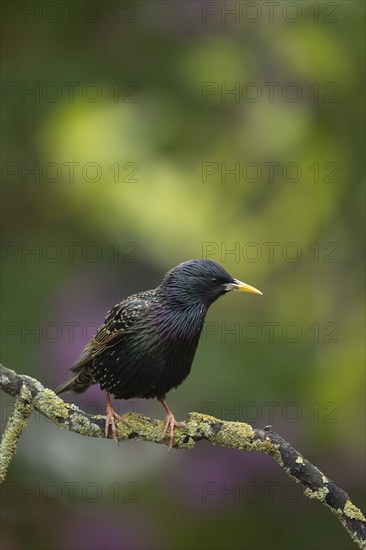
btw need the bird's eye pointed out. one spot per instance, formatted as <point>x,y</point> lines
<point>214,280</point>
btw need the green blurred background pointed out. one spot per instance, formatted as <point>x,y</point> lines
<point>116,168</point>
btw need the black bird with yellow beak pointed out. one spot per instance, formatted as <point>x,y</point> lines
<point>147,343</point>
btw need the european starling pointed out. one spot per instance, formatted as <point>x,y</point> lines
<point>147,343</point>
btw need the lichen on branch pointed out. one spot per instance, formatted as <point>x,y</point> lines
<point>31,395</point>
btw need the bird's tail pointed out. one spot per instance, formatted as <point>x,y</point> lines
<point>77,383</point>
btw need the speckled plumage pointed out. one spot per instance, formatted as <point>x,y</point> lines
<point>148,341</point>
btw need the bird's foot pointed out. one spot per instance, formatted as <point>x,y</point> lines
<point>171,424</point>
<point>111,415</point>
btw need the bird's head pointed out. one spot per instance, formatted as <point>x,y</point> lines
<point>200,282</point>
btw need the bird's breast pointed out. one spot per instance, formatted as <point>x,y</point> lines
<point>179,335</point>
<point>183,325</point>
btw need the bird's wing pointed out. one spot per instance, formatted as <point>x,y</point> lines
<point>121,317</point>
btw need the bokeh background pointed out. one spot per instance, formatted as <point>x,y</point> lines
<point>116,167</point>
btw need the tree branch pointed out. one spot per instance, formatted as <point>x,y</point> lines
<point>31,395</point>
<point>17,422</point>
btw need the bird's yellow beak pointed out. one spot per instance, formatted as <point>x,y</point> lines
<point>242,287</point>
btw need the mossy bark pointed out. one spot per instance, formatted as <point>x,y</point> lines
<point>31,395</point>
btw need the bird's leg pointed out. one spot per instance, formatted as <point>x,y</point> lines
<point>170,423</point>
<point>111,415</point>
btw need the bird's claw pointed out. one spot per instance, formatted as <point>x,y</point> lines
<point>111,415</point>
<point>171,423</point>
